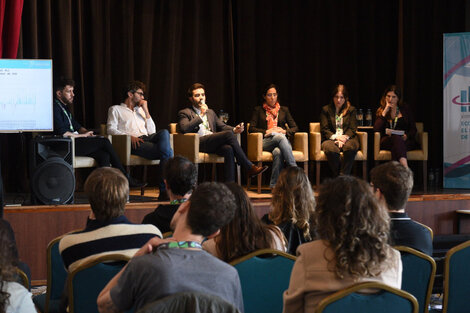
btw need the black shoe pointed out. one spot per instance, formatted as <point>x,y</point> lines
<point>134,183</point>
<point>163,196</point>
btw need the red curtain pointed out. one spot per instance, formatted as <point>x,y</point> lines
<point>10,22</point>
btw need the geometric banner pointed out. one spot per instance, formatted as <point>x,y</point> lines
<point>456,110</point>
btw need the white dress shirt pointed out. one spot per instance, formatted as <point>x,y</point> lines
<point>124,121</point>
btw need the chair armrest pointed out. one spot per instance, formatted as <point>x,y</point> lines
<point>376,145</point>
<point>122,146</point>
<point>363,143</point>
<point>73,151</point>
<point>315,145</point>
<point>301,143</point>
<point>423,141</point>
<point>255,146</point>
<point>187,145</point>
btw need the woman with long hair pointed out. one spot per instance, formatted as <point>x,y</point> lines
<point>394,115</point>
<point>13,296</point>
<point>293,204</point>
<point>271,119</point>
<point>353,246</point>
<point>338,127</point>
<point>245,233</point>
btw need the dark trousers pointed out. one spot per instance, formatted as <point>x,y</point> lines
<point>156,147</point>
<point>332,152</point>
<point>225,144</point>
<point>100,149</point>
<point>397,146</point>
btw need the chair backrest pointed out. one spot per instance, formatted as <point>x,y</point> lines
<point>418,274</point>
<point>264,279</point>
<point>385,300</point>
<point>314,128</point>
<point>457,279</point>
<point>56,273</point>
<point>86,282</point>
<point>189,302</point>
<point>22,278</point>
<point>419,127</point>
<point>173,128</point>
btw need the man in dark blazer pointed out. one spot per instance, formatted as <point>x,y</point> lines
<point>215,136</point>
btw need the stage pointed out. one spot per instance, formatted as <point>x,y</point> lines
<point>35,226</point>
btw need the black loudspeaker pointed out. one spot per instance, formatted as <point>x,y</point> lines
<point>51,172</point>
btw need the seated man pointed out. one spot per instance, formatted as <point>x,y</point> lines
<point>86,143</point>
<point>180,177</point>
<point>164,267</point>
<point>132,118</point>
<point>393,183</point>
<point>216,136</point>
<point>107,230</point>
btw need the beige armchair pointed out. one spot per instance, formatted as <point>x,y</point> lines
<point>123,146</point>
<point>258,156</point>
<point>412,155</point>
<point>81,161</point>
<point>318,155</point>
<point>187,145</point>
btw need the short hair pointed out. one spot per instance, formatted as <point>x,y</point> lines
<point>355,226</point>
<point>211,206</point>
<point>395,182</point>
<point>61,82</point>
<point>133,86</point>
<point>180,175</point>
<point>108,190</point>
<point>194,87</point>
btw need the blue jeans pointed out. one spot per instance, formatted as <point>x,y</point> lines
<point>156,147</point>
<point>281,149</point>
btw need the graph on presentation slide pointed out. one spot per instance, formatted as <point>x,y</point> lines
<point>25,95</point>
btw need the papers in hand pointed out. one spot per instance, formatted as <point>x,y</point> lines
<point>390,131</point>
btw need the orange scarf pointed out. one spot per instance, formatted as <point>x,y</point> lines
<point>272,114</point>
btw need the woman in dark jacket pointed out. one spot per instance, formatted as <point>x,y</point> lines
<point>393,115</point>
<point>338,127</point>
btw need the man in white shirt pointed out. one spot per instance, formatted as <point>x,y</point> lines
<point>132,118</point>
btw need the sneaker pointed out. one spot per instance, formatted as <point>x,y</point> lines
<point>256,170</point>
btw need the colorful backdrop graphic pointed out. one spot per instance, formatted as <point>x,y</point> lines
<point>456,110</point>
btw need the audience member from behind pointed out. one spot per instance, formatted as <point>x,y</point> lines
<point>180,177</point>
<point>392,184</point>
<point>14,298</point>
<point>107,230</point>
<point>245,233</point>
<point>353,247</point>
<point>293,204</point>
<point>165,267</point>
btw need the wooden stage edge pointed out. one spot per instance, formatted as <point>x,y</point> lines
<point>36,226</point>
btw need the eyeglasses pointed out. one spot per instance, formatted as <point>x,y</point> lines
<point>271,95</point>
<point>139,93</point>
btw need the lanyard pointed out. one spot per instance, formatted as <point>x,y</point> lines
<point>66,114</point>
<point>180,245</point>
<point>178,201</point>
<point>394,124</point>
<point>339,122</point>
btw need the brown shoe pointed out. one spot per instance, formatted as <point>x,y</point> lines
<point>256,170</point>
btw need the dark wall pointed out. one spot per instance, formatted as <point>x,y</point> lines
<point>234,48</point>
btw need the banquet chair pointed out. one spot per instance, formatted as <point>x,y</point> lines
<point>256,154</point>
<point>86,282</point>
<point>386,299</point>
<point>418,274</point>
<point>264,275</point>
<point>420,154</point>
<point>457,279</point>
<point>187,145</point>
<point>318,155</point>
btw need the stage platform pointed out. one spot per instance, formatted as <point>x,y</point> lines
<point>35,226</point>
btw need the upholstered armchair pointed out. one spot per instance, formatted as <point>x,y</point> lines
<point>187,145</point>
<point>318,155</point>
<point>412,155</point>
<point>258,156</point>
